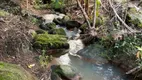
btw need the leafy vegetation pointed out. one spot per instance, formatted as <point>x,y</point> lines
<point>3,13</point>
<point>44,59</point>
<point>124,47</point>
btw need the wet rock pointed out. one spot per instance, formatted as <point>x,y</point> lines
<point>88,53</point>
<point>14,72</point>
<point>60,31</point>
<point>65,72</point>
<point>72,24</point>
<point>55,76</point>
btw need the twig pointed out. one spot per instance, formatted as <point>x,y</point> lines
<point>129,28</point>
<point>94,19</point>
<point>84,14</point>
<point>132,70</point>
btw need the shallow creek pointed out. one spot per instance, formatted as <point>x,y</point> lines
<point>89,70</point>
<point>95,69</point>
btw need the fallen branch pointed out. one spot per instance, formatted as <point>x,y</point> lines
<point>84,14</point>
<point>133,70</point>
<point>129,28</point>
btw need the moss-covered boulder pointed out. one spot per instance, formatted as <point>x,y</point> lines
<point>48,26</point>
<point>50,41</point>
<point>14,72</point>
<point>64,71</point>
<point>134,17</point>
<point>60,31</point>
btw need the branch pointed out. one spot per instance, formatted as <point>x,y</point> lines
<point>133,70</point>
<point>129,28</point>
<point>84,14</point>
<point>94,19</point>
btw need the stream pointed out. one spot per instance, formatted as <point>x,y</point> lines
<point>89,70</point>
<point>97,68</point>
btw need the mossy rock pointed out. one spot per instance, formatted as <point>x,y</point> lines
<point>51,25</point>
<point>58,21</point>
<point>48,26</point>
<point>66,18</point>
<point>14,72</point>
<point>64,71</point>
<point>3,13</point>
<point>60,31</point>
<point>50,41</point>
<point>134,17</point>
<point>40,31</point>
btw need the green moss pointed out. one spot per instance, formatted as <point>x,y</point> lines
<point>51,25</point>
<point>14,72</point>
<point>60,31</point>
<point>44,41</point>
<point>3,13</point>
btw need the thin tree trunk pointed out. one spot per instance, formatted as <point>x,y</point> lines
<point>94,19</point>
<point>84,14</point>
<point>87,6</point>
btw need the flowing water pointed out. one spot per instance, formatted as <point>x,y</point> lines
<point>89,70</point>
<point>95,69</point>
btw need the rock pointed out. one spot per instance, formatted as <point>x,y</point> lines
<point>134,17</point>
<point>72,24</point>
<point>65,72</point>
<point>40,31</point>
<point>60,31</point>
<point>66,18</point>
<point>59,21</point>
<point>88,53</point>
<point>55,76</point>
<point>14,72</point>
<point>48,26</point>
<point>50,17</point>
<point>62,21</point>
<point>50,41</point>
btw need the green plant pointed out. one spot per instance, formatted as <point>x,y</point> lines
<point>125,47</point>
<point>3,13</point>
<point>56,4</point>
<point>44,59</point>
